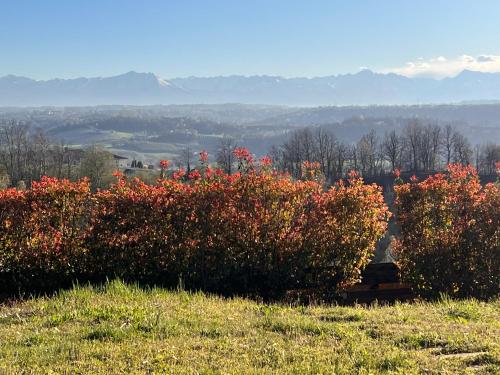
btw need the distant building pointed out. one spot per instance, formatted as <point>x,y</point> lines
<point>121,161</point>
<point>74,156</point>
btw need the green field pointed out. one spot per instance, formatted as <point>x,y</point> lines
<point>125,329</point>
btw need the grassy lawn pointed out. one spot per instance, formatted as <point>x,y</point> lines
<point>125,329</point>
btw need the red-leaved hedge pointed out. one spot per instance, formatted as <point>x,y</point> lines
<point>256,231</point>
<point>450,234</point>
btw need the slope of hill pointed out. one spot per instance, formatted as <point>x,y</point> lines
<point>150,133</point>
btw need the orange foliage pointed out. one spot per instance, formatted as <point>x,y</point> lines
<point>450,234</point>
<point>256,231</point>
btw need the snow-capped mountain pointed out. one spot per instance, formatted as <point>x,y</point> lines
<point>128,88</point>
<point>363,88</point>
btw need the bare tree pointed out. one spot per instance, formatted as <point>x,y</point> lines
<point>352,153</point>
<point>4,179</point>
<point>392,148</point>
<point>341,159</point>
<point>71,160</point>
<point>413,135</point>
<point>447,142</point>
<point>292,152</point>
<point>435,134</point>
<point>40,155</point>
<point>276,155</point>
<point>57,160</point>
<point>224,156</point>
<point>14,150</point>
<point>477,157</point>
<point>324,152</point>
<point>367,149</point>
<point>185,159</point>
<point>489,154</point>
<point>462,151</point>
<point>428,143</point>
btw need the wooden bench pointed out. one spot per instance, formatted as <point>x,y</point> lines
<point>381,282</point>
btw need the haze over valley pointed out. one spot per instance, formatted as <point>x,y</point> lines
<point>150,133</point>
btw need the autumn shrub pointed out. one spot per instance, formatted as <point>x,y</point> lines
<point>450,234</point>
<point>13,215</point>
<point>256,231</point>
<point>142,231</point>
<point>345,225</point>
<point>44,231</point>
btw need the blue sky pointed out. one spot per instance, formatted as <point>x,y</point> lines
<point>177,38</point>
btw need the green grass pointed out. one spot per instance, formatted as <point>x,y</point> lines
<point>125,329</point>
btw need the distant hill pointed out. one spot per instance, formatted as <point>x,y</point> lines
<point>149,133</point>
<point>363,88</point>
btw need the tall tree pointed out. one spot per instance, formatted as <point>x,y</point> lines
<point>224,156</point>
<point>392,147</point>
<point>185,158</point>
<point>15,150</point>
<point>462,150</point>
<point>98,165</point>
<point>367,149</point>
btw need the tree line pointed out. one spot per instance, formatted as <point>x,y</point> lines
<point>417,148</point>
<point>27,154</point>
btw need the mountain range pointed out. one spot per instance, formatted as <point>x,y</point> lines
<point>363,88</point>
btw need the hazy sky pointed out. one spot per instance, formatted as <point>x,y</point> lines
<point>172,38</point>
